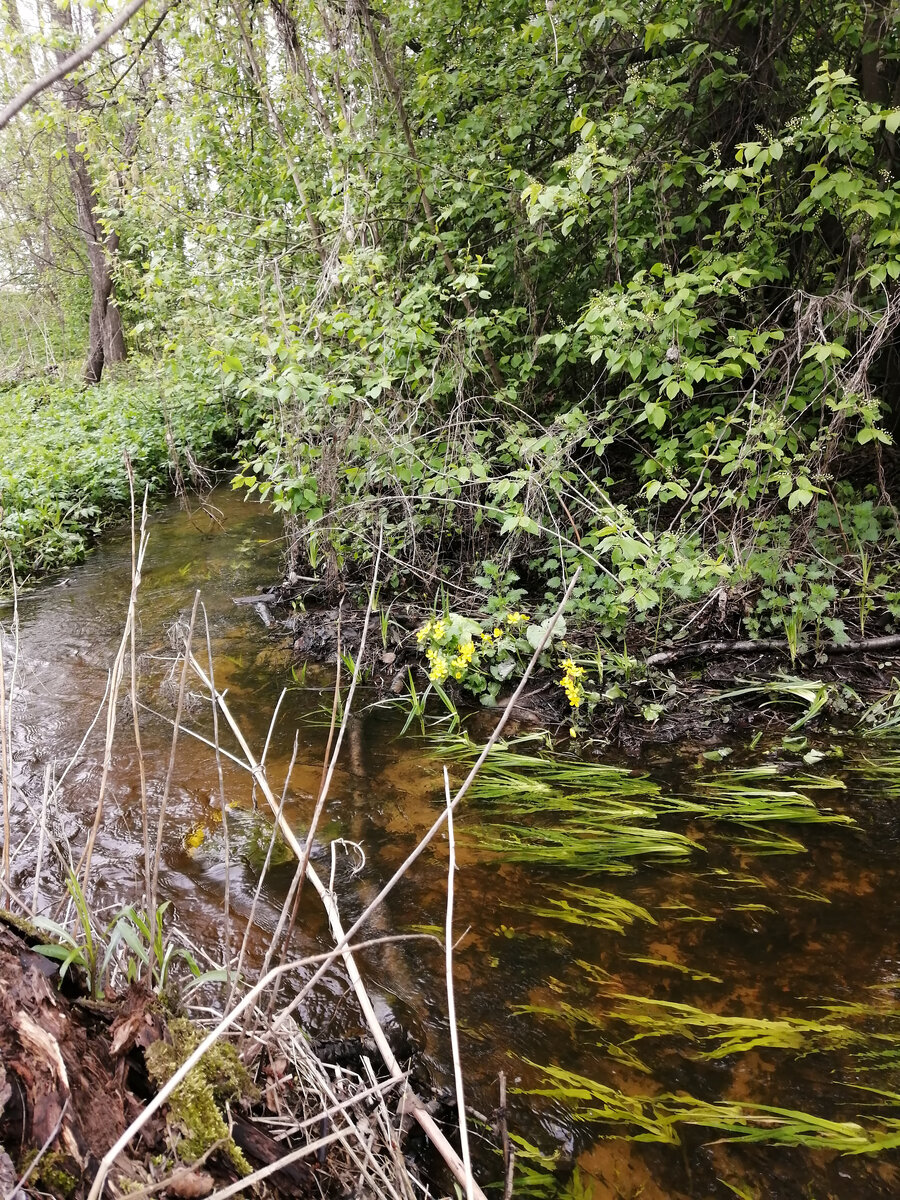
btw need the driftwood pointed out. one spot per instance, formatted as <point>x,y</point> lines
<point>778,645</point>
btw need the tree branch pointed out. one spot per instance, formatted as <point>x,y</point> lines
<point>68,65</point>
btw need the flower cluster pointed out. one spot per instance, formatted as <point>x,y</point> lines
<point>571,683</point>
<point>458,648</point>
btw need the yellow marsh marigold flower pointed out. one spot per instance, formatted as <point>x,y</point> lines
<point>498,633</point>
<point>570,683</point>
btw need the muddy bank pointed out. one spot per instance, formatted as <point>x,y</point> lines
<point>654,695</point>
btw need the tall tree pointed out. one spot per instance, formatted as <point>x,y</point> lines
<point>106,336</point>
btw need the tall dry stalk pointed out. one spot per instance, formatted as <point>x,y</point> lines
<point>115,683</point>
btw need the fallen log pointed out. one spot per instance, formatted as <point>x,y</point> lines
<point>777,645</point>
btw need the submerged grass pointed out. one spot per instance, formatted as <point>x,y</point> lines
<point>566,813</point>
<point>644,1118</point>
<point>591,908</point>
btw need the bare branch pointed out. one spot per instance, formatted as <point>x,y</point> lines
<point>68,65</point>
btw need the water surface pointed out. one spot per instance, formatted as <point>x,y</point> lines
<point>734,932</point>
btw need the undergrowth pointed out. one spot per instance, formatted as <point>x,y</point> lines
<point>63,450</point>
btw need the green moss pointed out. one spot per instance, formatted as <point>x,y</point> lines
<point>51,1174</point>
<point>218,1077</point>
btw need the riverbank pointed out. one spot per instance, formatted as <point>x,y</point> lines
<point>659,939</point>
<point>588,691</point>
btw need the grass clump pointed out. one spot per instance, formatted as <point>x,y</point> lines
<point>63,448</point>
<point>220,1076</point>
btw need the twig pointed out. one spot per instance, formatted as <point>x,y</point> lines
<point>38,869</point>
<point>5,735</point>
<point>222,805</point>
<point>328,771</point>
<point>135,720</point>
<point>504,1125</point>
<point>716,649</point>
<point>259,885</point>
<point>451,1002</point>
<point>271,730</point>
<point>68,65</point>
<point>115,683</point>
<point>170,769</point>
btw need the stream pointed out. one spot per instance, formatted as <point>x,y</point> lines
<point>734,927</point>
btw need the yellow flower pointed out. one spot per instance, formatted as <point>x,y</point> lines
<point>467,650</point>
<point>498,633</point>
<point>439,629</point>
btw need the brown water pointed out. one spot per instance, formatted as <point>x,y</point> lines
<point>759,936</point>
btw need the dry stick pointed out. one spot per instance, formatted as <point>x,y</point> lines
<point>508,1152</point>
<point>510,1176</point>
<point>208,1042</point>
<point>43,830</point>
<point>4,769</point>
<point>329,765</point>
<point>342,949</point>
<point>262,760</point>
<point>193,733</point>
<point>135,721</point>
<point>435,828</point>
<point>68,65</point>
<point>6,718</point>
<point>270,951</point>
<point>112,702</point>
<point>170,769</point>
<point>223,806</point>
<point>451,1001</point>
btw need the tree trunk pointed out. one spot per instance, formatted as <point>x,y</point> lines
<point>106,336</point>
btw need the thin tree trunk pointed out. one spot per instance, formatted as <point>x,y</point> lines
<point>298,61</point>
<point>106,336</point>
<point>393,85</point>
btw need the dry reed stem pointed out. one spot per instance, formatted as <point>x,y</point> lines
<point>329,764</point>
<point>41,835</point>
<point>170,771</point>
<point>222,804</point>
<point>451,1001</point>
<point>112,702</point>
<point>5,735</point>
<point>135,720</point>
<point>341,949</point>
<point>259,886</point>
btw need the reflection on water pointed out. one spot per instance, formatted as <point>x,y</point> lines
<point>730,932</point>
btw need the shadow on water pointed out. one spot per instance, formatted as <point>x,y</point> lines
<point>628,971</point>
